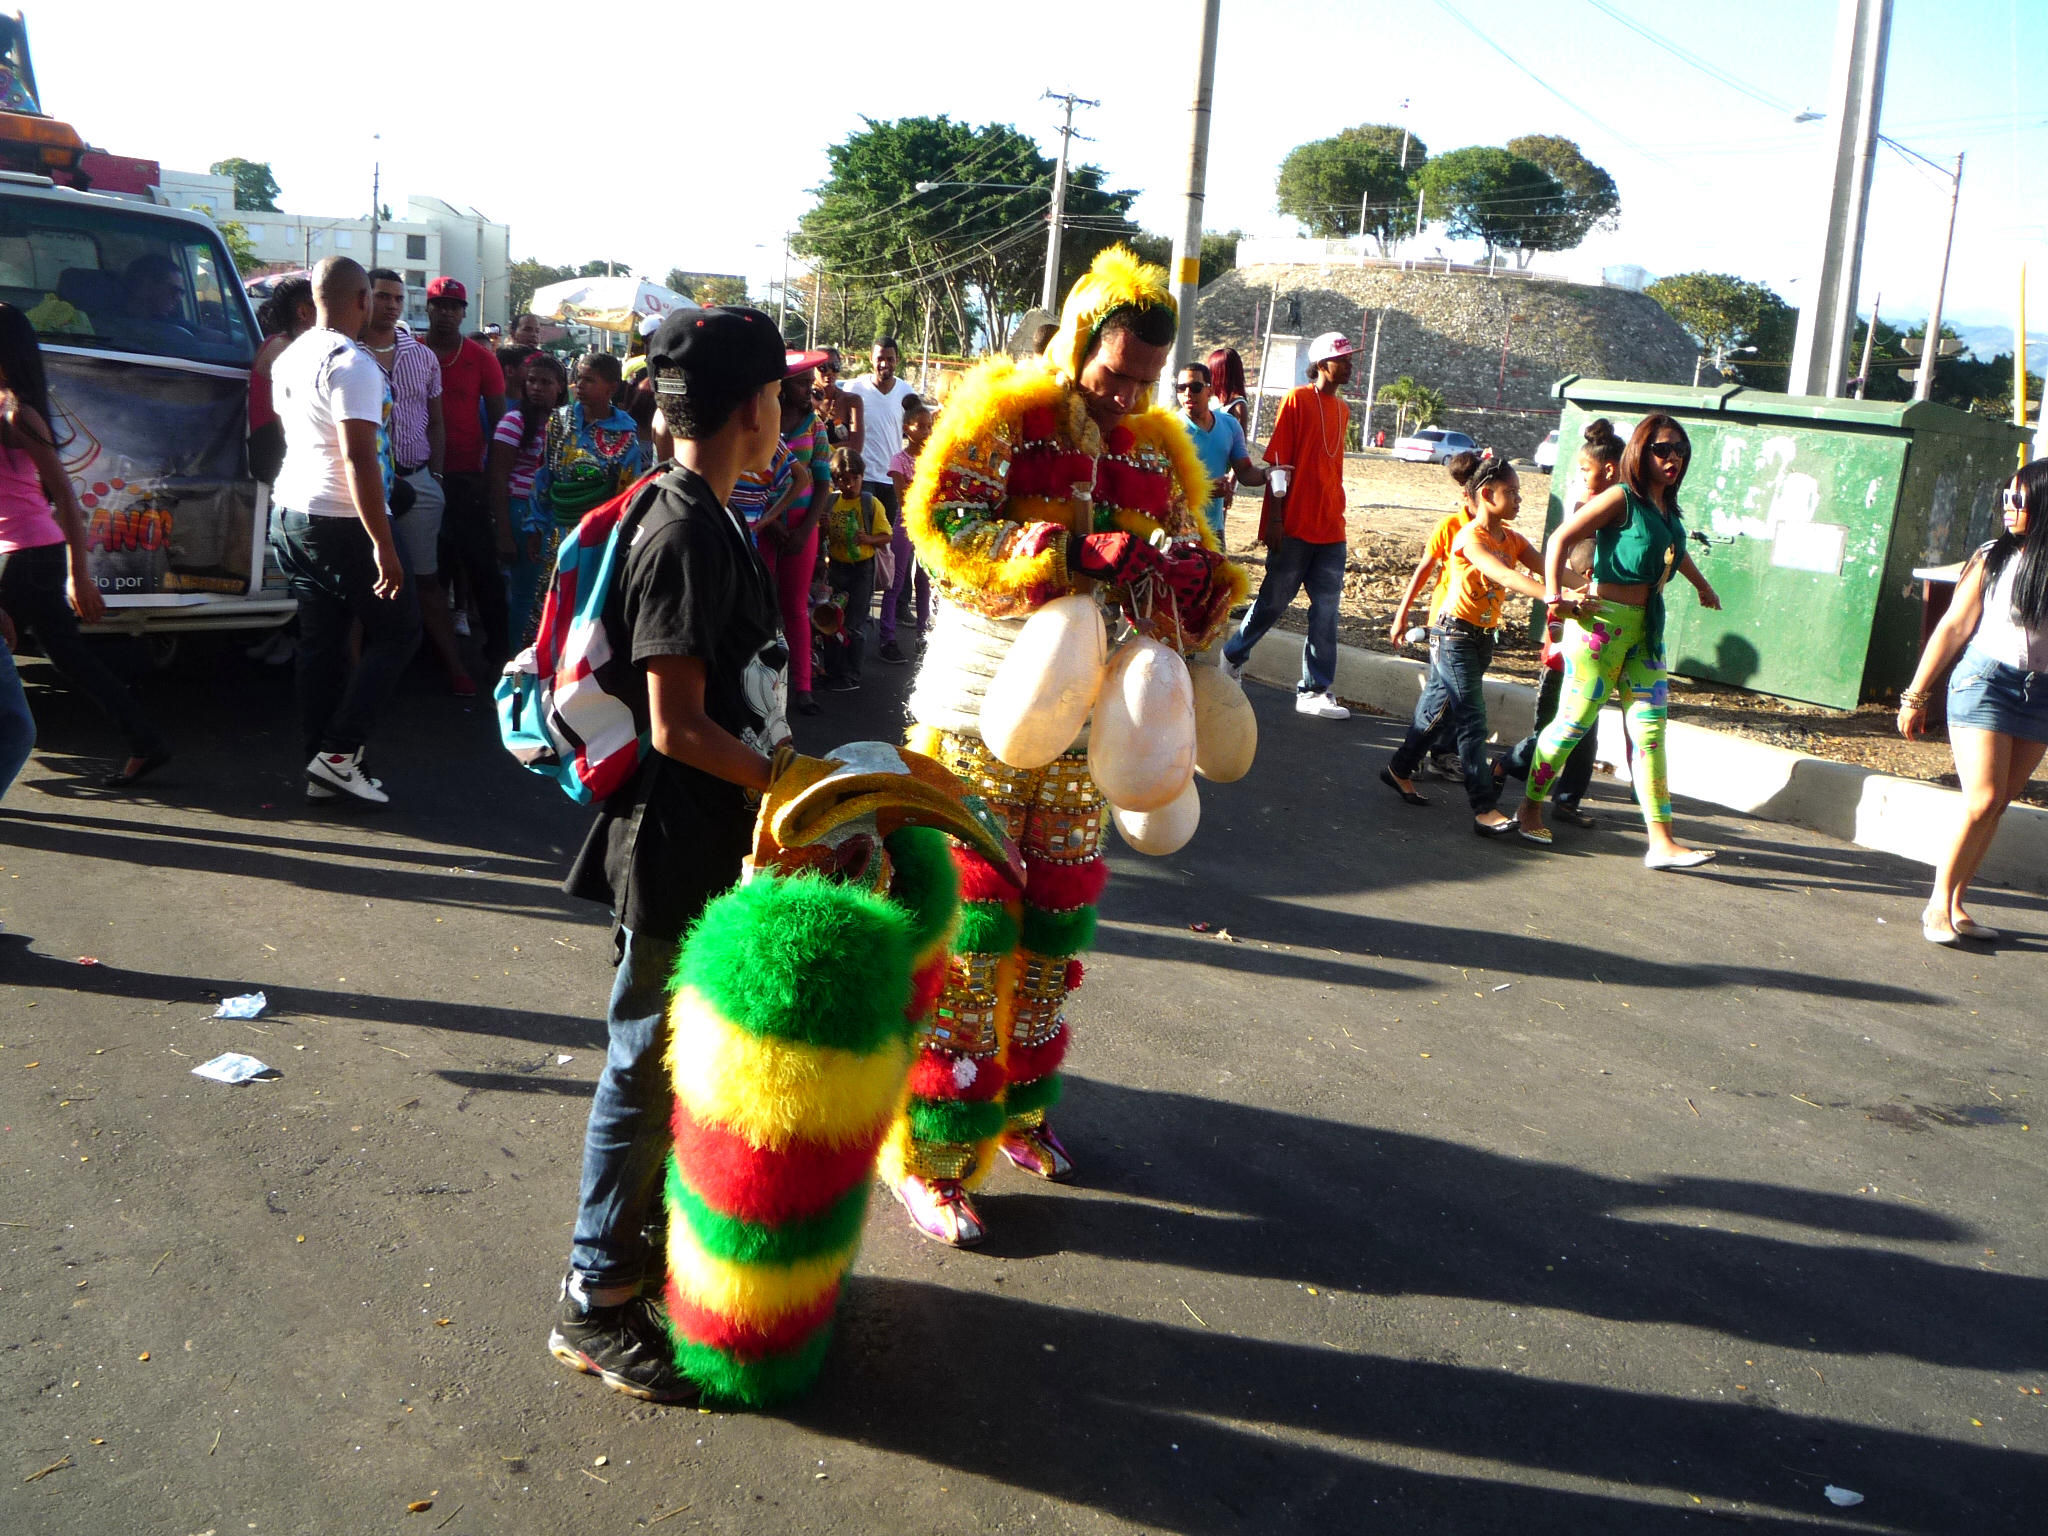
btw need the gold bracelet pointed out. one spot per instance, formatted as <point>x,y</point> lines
<point>1912,698</point>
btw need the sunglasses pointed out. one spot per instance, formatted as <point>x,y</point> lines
<point>1187,384</point>
<point>1670,451</point>
<point>2011,500</point>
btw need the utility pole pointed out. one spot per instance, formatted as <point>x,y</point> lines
<point>376,204</point>
<point>1869,347</point>
<point>782,300</point>
<point>1828,317</point>
<point>1187,255</point>
<point>1372,376</point>
<point>1050,299</point>
<point>817,303</point>
<point>1930,344</point>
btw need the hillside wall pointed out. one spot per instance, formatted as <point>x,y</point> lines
<point>1448,331</point>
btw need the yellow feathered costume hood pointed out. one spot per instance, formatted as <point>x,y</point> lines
<point>1116,279</point>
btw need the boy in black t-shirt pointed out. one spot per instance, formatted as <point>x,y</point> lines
<point>699,657</point>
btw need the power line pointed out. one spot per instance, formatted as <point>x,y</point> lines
<point>1685,56</point>
<point>1466,22</point>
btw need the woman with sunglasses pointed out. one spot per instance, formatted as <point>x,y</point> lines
<point>1615,639</point>
<point>1997,698</point>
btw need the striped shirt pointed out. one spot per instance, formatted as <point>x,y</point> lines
<point>415,379</point>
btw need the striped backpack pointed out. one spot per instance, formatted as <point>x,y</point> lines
<point>554,715</point>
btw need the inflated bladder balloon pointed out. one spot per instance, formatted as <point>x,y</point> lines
<point>1141,745</point>
<point>1165,830</point>
<point>1040,696</point>
<point>1226,729</point>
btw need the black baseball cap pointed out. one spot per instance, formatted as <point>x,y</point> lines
<point>725,350</point>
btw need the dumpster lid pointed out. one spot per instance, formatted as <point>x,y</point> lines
<point>1741,400</point>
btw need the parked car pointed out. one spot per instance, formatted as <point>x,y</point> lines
<point>1546,451</point>
<point>1432,445</point>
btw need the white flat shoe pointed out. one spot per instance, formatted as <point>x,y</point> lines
<point>1935,933</point>
<point>1970,928</point>
<point>1691,858</point>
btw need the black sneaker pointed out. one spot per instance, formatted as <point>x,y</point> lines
<point>842,685</point>
<point>892,655</point>
<point>627,1347</point>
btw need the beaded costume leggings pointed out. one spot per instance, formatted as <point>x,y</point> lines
<point>1606,651</point>
<point>989,1059</point>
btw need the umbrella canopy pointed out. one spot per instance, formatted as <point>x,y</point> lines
<point>607,303</point>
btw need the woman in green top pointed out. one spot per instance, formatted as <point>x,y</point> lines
<point>1616,637</point>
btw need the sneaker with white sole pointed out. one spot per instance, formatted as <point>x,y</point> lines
<point>343,772</point>
<point>1447,766</point>
<point>317,790</point>
<point>1323,706</point>
<point>1234,670</point>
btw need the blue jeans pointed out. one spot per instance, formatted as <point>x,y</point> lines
<point>627,1140</point>
<point>17,725</point>
<point>1454,698</point>
<point>1291,565</point>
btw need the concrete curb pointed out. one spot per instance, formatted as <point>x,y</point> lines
<point>1874,810</point>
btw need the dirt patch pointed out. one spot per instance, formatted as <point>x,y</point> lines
<point>1394,505</point>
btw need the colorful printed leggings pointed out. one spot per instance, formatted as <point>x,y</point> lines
<point>1606,651</point>
<point>989,1059</point>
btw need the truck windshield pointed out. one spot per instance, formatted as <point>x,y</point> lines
<point>107,280</point>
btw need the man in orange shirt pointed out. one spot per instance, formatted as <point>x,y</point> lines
<point>1306,476</point>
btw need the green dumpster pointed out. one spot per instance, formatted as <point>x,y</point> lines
<point>1808,515</point>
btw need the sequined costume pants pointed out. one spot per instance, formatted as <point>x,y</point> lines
<point>989,1059</point>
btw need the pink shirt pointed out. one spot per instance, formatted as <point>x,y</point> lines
<point>524,465</point>
<point>27,520</point>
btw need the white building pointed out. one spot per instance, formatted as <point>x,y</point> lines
<point>430,239</point>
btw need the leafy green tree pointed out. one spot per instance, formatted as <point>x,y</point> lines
<point>1480,193</point>
<point>602,269</point>
<point>1413,403</point>
<point>716,290</point>
<point>1325,184</point>
<point>1722,312</point>
<point>256,189</point>
<point>967,258</point>
<point>1590,199</point>
<point>526,276</point>
<point>240,247</point>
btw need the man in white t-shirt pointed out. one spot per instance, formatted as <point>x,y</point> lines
<point>334,540</point>
<point>878,438</point>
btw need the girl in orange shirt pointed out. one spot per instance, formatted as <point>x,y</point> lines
<point>1487,562</point>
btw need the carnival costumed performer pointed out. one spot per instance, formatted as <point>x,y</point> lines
<point>796,1000</point>
<point>1051,487</point>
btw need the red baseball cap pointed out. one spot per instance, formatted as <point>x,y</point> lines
<point>447,288</point>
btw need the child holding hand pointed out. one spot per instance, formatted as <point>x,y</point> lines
<point>856,527</point>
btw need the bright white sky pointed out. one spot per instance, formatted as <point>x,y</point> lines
<point>708,178</point>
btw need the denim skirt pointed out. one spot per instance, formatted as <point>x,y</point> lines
<point>1989,695</point>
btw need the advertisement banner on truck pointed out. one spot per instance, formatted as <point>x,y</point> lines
<point>157,457</point>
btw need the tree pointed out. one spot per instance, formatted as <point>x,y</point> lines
<point>969,259</point>
<point>1590,199</point>
<point>716,290</point>
<point>1722,312</point>
<point>526,276</point>
<point>1410,399</point>
<point>1219,253</point>
<point>1327,183</point>
<point>602,269</point>
<point>240,247</point>
<point>255,188</point>
<point>1492,195</point>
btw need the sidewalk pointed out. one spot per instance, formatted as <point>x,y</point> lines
<point>1859,805</point>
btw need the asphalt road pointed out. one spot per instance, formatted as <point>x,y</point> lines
<point>1461,1188</point>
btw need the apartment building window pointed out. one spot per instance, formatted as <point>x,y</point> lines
<point>344,239</point>
<point>415,247</point>
<point>386,242</point>
<point>257,233</point>
<point>415,278</point>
